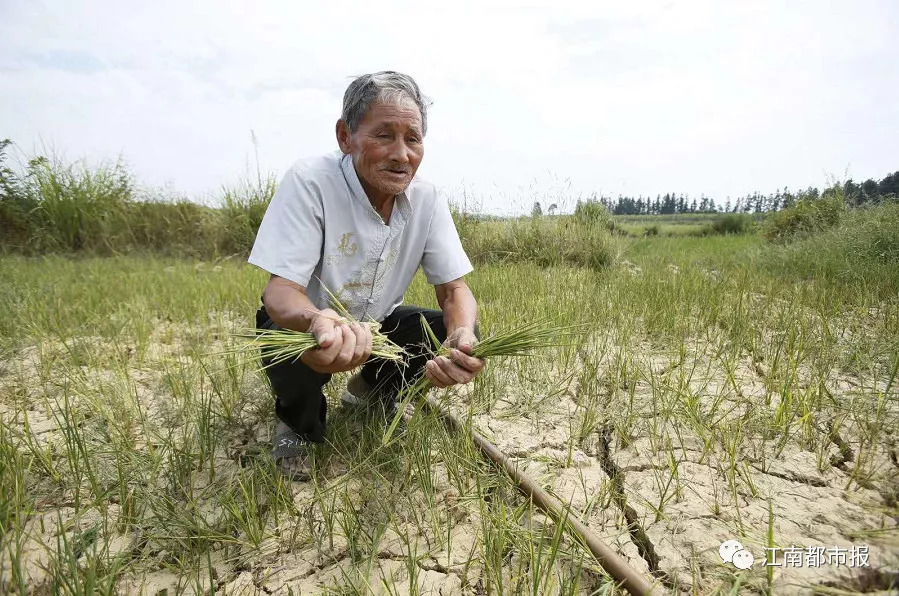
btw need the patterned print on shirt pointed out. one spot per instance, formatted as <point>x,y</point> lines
<point>364,288</point>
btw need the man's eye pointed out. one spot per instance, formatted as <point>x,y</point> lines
<point>384,136</point>
<point>415,140</point>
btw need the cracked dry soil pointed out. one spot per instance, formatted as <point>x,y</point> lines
<point>664,459</point>
<point>682,461</point>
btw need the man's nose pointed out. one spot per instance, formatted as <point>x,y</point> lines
<point>400,152</point>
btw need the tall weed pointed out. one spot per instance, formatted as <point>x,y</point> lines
<point>807,217</point>
<point>50,206</point>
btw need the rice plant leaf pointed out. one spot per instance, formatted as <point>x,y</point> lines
<point>430,333</point>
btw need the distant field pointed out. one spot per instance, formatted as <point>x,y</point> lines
<point>718,395</point>
<point>672,219</point>
<point>679,224</point>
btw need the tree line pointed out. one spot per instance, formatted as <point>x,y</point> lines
<point>856,194</point>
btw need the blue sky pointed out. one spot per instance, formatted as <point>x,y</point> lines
<point>548,100</point>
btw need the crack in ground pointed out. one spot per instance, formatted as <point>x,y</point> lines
<point>529,451</point>
<point>846,454</point>
<point>642,468</point>
<point>425,563</point>
<point>637,533</point>
<point>314,569</point>
<point>793,477</point>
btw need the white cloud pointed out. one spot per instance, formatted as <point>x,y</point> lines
<point>700,97</point>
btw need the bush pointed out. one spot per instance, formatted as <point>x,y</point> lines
<point>178,227</point>
<point>727,224</point>
<point>863,247</point>
<point>546,242</point>
<point>63,206</point>
<point>652,230</point>
<point>807,217</point>
<point>54,206</point>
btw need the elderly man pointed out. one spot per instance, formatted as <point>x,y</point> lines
<point>360,224</point>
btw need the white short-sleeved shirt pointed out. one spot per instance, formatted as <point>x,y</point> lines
<point>320,228</point>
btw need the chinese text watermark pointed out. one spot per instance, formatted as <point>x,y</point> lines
<point>732,551</point>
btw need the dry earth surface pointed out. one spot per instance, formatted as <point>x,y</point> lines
<point>147,463</point>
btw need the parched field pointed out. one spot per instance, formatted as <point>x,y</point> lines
<point>711,400</point>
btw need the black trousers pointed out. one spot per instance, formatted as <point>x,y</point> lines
<point>299,400</point>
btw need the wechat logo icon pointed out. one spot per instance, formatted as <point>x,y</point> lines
<point>731,551</point>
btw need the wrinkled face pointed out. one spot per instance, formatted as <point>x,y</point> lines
<point>387,147</point>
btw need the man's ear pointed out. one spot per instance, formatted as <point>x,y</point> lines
<point>343,136</point>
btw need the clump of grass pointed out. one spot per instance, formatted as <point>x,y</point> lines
<point>593,213</point>
<point>862,249</point>
<point>64,206</point>
<point>807,217</point>
<point>243,207</point>
<point>544,241</point>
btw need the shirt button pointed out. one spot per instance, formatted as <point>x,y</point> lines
<point>381,259</point>
<point>371,300</point>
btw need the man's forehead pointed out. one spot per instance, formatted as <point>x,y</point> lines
<point>394,113</point>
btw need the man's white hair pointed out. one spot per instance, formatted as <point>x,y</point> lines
<point>384,86</point>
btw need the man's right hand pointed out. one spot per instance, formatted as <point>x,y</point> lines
<point>343,345</point>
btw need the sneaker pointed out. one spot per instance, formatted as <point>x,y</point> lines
<point>292,454</point>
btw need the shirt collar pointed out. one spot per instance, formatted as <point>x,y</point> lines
<point>402,202</point>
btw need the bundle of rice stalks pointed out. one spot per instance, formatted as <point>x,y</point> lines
<point>522,341</point>
<point>285,345</point>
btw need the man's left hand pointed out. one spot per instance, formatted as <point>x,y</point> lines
<point>459,366</point>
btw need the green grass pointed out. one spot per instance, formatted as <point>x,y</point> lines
<point>719,394</point>
<point>52,205</point>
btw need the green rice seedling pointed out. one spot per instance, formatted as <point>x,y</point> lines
<point>80,568</point>
<point>247,505</point>
<point>667,482</point>
<point>41,457</point>
<point>15,506</point>
<point>521,341</point>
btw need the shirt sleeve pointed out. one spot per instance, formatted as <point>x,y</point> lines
<point>289,241</point>
<point>444,259</point>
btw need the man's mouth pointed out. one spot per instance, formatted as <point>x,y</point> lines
<point>398,172</point>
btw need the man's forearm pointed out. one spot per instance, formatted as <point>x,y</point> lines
<point>287,305</point>
<point>460,309</point>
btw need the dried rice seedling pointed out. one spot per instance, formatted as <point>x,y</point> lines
<point>286,345</point>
